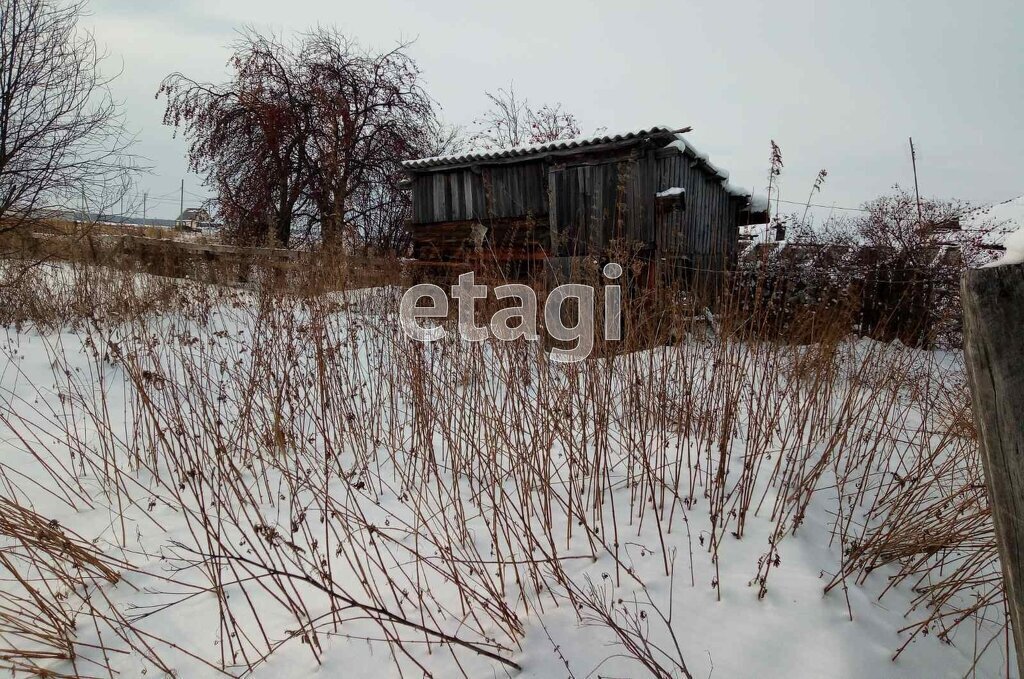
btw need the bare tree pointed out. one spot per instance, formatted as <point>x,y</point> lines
<point>385,203</point>
<point>894,222</point>
<point>919,251</point>
<point>62,138</point>
<point>247,137</point>
<point>511,121</point>
<point>309,132</point>
<point>366,112</point>
<point>902,266</point>
<point>551,123</point>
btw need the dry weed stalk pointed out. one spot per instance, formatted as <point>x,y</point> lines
<point>437,497</point>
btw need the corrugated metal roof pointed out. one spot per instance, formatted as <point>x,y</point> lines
<point>483,155</point>
<point>757,203</point>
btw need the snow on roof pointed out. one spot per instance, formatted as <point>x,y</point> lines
<point>1006,221</point>
<point>756,202</point>
<point>995,222</point>
<point>1009,210</point>
<point>683,145</point>
<point>194,213</point>
<point>1006,217</point>
<point>478,155</point>
<point>1014,244</point>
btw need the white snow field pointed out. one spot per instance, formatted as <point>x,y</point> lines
<point>224,483</point>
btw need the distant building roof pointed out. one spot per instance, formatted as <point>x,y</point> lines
<point>193,214</point>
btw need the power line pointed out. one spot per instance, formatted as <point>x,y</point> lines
<point>974,208</point>
<point>831,207</point>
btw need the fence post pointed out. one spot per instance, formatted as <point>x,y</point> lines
<point>993,301</point>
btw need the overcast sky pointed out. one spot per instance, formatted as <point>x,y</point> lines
<point>839,86</point>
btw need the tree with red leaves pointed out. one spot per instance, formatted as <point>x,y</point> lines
<point>309,133</point>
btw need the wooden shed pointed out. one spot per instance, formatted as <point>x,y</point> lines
<point>648,190</point>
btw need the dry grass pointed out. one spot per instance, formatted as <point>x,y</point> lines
<point>439,496</point>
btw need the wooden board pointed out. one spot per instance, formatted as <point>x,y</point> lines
<point>993,302</point>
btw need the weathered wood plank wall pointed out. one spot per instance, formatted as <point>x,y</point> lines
<point>480,193</point>
<point>706,226</point>
<point>595,199</point>
<point>598,203</point>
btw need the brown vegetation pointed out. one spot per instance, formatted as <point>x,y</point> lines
<point>329,411</point>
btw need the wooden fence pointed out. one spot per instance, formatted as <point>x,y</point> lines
<point>310,270</point>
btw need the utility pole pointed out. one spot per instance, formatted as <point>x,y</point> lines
<point>917,191</point>
<point>182,198</point>
<point>144,197</point>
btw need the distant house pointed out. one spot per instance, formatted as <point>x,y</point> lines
<point>193,219</point>
<point>570,199</point>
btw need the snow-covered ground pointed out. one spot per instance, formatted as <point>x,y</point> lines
<point>296,489</point>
